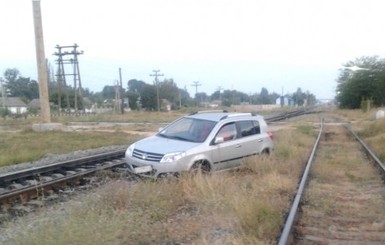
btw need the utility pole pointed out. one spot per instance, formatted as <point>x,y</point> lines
<point>196,84</point>
<point>156,75</point>
<point>41,65</point>
<point>117,105</point>
<point>3,94</point>
<point>220,95</point>
<point>121,91</point>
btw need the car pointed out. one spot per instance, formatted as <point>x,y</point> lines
<point>205,141</point>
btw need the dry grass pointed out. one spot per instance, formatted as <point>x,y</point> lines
<point>27,145</point>
<point>374,134</point>
<point>244,206</point>
<point>338,170</point>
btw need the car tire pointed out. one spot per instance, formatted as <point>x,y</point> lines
<point>201,166</point>
<point>265,152</point>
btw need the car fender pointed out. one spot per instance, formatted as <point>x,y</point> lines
<point>198,158</point>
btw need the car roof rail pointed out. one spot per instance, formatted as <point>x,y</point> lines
<point>238,115</point>
<point>208,111</point>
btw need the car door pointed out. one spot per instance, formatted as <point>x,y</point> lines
<point>250,137</point>
<point>226,152</point>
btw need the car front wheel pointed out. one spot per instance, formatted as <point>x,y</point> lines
<point>201,166</point>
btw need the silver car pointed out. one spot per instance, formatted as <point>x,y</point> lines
<point>209,141</point>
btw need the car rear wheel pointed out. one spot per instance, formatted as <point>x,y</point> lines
<point>265,152</point>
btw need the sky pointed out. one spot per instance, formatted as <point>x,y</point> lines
<point>245,45</point>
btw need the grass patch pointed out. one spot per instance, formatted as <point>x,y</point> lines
<point>375,128</point>
<point>27,145</point>
<point>374,135</point>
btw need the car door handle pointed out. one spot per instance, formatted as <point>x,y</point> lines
<point>260,140</point>
<point>238,146</point>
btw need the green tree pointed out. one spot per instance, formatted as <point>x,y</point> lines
<point>108,92</point>
<point>19,86</point>
<point>169,90</point>
<point>133,100</point>
<point>299,97</point>
<point>136,86</point>
<point>264,97</point>
<point>54,98</point>
<point>134,91</point>
<point>365,83</point>
<point>148,97</point>
<point>11,74</point>
<point>185,98</point>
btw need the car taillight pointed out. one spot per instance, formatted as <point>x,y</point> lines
<point>270,134</point>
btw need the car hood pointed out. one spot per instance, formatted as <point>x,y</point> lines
<point>161,145</point>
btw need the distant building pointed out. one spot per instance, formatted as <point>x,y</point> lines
<point>34,104</point>
<point>283,101</point>
<point>14,104</point>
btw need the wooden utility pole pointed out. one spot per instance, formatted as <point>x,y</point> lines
<point>156,75</point>
<point>196,84</point>
<point>41,65</point>
<point>121,91</point>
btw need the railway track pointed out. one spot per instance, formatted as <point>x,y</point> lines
<point>23,190</point>
<point>341,196</point>
<point>30,187</point>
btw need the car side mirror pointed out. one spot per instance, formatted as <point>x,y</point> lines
<point>219,140</point>
<point>160,129</point>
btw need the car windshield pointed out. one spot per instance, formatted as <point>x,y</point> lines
<point>188,129</point>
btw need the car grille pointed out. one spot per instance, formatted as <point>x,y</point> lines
<point>148,156</point>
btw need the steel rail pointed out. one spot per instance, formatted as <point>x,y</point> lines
<point>290,114</point>
<point>287,230</point>
<point>35,171</point>
<point>368,150</point>
<point>58,180</point>
<point>288,227</point>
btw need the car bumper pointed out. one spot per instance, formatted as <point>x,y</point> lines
<point>153,169</point>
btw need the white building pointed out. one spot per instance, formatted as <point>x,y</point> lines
<point>14,104</point>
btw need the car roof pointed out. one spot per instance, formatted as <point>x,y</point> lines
<point>218,115</point>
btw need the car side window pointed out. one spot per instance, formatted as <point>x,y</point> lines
<point>257,128</point>
<point>249,128</point>
<point>228,132</point>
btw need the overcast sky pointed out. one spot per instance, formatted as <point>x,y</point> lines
<point>230,44</point>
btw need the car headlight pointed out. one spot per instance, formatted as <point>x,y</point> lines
<point>172,157</point>
<point>130,150</point>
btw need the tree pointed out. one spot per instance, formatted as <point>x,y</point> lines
<point>133,100</point>
<point>54,98</point>
<point>19,86</point>
<point>365,83</point>
<point>233,97</point>
<point>185,98</point>
<point>264,98</point>
<point>108,92</point>
<point>201,98</point>
<point>11,74</point>
<point>169,90</point>
<point>299,97</point>
<point>136,86</point>
<point>148,97</point>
